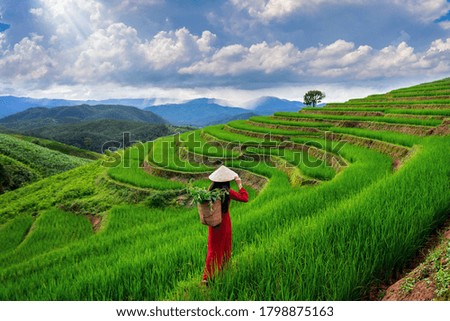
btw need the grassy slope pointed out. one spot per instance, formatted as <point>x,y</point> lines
<point>60,147</point>
<point>44,161</point>
<point>327,242</point>
<point>24,160</point>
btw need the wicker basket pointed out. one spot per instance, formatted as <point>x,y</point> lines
<point>210,216</point>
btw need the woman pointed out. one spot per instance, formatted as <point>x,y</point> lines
<point>219,237</point>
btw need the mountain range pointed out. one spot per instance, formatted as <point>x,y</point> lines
<point>10,104</point>
<point>203,111</point>
<point>198,112</point>
<point>44,116</point>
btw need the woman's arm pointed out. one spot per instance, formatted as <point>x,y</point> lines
<point>241,195</point>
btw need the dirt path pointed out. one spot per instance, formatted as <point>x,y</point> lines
<point>429,278</point>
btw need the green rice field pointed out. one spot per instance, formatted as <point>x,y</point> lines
<point>334,210</point>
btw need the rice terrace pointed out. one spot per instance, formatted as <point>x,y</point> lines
<point>342,197</point>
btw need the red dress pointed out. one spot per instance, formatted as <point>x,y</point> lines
<point>219,239</point>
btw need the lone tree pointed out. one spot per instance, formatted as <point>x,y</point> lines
<point>313,97</point>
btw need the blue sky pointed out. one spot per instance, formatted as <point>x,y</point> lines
<point>226,49</point>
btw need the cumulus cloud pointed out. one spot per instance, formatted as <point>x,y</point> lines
<point>438,55</point>
<point>26,61</point>
<point>425,10</point>
<point>237,59</point>
<point>336,59</point>
<point>105,53</point>
<point>116,53</point>
<point>339,59</point>
<point>86,45</point>
<point>174,48</point>
<point>268,10</point>
<point>390,61</point>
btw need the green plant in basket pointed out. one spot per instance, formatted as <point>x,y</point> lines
<point>202,195</point>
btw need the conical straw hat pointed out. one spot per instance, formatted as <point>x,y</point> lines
<point>223,174</point>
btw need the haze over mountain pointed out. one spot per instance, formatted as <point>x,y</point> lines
<point>10,104</point>
<point>197,112</point>
<point>269,105</point>
<point>202,112</point>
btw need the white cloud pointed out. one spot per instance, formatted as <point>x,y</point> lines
<point>38,12</point>
<point>439,46</point>
<point>425,10</point>
<point>105,53</point>
<point>335,59</point>
<point>74,20</point>
<point>27,61</point>
<point>390,61</point>
<point>445,25</point>
<point>438,56</point>
<point>237,59</point>
<point>88,47</point>
<point>268,10</point>
<point>170,49</point>
<point>116,53</point>
<point>339,59</point>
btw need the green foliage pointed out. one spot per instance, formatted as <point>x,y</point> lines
<point>313,97</point>
<point>23,162</point>
<point>52,229</point>
<point>13,232</point>
<point>383,135</point>
<point>83,190</point>
<point>196,144</point>
<point>203,195</point>
<point>41,116</point>
<point>130,171</point>
<point>14,174</point>
<point>271,120</point>
<point>165,153</point>
<point>161,199</point>
<point>407,285</point>
<point>63,148</point>
<point>93,135</point>
<point>245,125</point>
<point>391,120</point>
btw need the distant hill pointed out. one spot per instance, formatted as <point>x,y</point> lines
<point>92,135</point>
<point>43,116</point>
<point>197,112</point>
<point>202,112</point>
<point>23,162</point>
<point>270,105</point>
<point>10,104</point>
<point>5,130</point>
